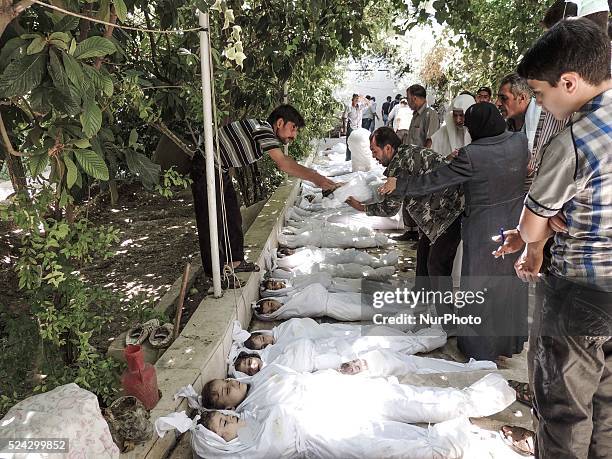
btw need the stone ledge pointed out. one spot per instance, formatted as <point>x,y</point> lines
<point>199,353</point>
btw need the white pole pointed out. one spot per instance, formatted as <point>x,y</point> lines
<point>209,149</point>
<point>286,101</point>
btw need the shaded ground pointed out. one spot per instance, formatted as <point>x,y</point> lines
<point>157,238</point>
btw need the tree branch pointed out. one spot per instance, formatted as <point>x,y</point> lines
<point>161,127</point>
<point>5,139</point>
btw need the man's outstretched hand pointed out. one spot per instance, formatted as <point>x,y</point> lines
<point>329,185</point>
<point>355,204</point>
<point>389,186</point>
<point>512,243</point>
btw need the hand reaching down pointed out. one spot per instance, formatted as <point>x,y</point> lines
<point>389,186</point>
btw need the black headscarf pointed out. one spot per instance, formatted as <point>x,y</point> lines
<point>484,120</point>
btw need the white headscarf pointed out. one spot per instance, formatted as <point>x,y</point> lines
<point>586,7</point>
<point>449,137</point>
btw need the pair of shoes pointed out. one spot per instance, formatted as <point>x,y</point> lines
<point>245,267</point>
<point>520,440</point>
<point>523,392</point>
<point>159,336</point>
<point>407,236</point>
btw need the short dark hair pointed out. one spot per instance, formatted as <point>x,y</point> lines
<point>398,96</point>
<point>572,45</point>
<point>485,89</point>
<point>518,85</point>
<point>389,97</point>
<point>287,113</point>
<point>354,95</point>
<point>243,356</point>
<point>206,419</point>
<point>384,136</point>
<point>208,399</point>
<point>250,343</point>
<point>417,91</point>
<point>559,10</point>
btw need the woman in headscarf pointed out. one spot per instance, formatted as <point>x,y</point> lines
<point>492,171</point>
<point>453,134</point>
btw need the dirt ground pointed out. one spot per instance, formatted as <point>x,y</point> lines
<point>157,238</point>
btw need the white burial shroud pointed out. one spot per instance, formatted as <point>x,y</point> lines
<point>387,399</point>
<point>333,434</point>
<point>335,237</point>
<point>313,255</point>
<point>307,355</point>
<point>316,301</point>
<point>297,283</point>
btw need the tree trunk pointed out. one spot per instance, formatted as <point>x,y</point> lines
<point>16,172</point>
<point>8,11</point>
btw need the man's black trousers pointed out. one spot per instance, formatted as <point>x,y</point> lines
<point>233,246</point>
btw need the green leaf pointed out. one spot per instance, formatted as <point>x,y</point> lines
<point>11,50</point>
<point>56,70</point>
<point>66,24</point>
<point>91,119</point>
<point>23,75</point>
<point>73,70</point>
<point>102,81</point>
<point>133,138</point>
<point>94,47</point>
<point>37,45</point>
<point>82,143</point>
<point>60,36</point>
<point>71,172</point>
<point>92,164</point>
<point>59,44</point>
<point>104,10</point>
<point>38,163</point>
<point>72,47</point>
<point>142,166</point>
<point>64,101</point>
<point>120,9</point>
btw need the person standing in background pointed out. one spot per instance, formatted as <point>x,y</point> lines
<point>386,109</point>
<point>351,119</point>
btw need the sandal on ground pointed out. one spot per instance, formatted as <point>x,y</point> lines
<point>246,267</point>
<point>229,279</point>
<point>522,441</point>
<point>139,333</point>
<point>523,392</point>
<point>161,336</point>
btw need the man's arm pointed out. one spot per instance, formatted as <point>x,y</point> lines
<point>433,124</point>
<point>533,228</point>
<point>386,208</point>
<point>288,165</point>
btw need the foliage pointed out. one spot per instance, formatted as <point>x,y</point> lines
<point>85,105</point>
<point>490,35</point>
<point>172,179</point>
<point>66,310</point>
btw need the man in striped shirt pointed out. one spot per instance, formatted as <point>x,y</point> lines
<point>571,336</point>
<point>242,143</point>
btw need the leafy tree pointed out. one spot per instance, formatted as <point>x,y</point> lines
<point>491,35</point>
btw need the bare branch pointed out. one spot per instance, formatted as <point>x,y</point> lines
<point>5,139</point>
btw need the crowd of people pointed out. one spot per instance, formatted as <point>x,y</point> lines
<point>529,167</point>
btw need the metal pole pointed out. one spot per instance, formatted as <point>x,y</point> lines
<point>286,101</point>
<point>209,149</point>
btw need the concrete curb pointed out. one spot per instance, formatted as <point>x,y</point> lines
<point>199,353</point>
